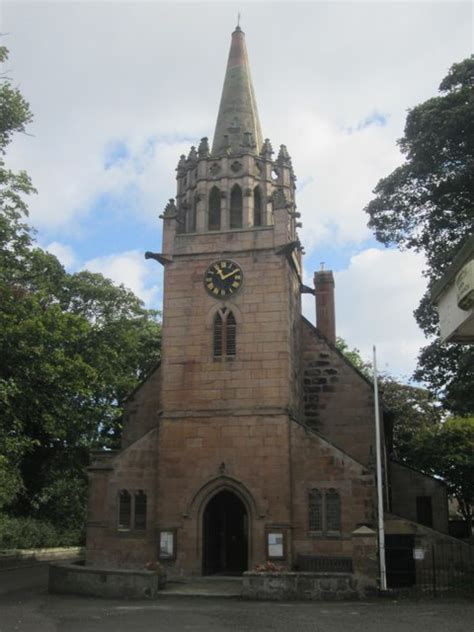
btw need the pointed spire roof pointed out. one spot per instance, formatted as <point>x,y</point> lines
<point>238,124</point>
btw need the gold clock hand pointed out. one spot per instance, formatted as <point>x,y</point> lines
<point>226,276</point>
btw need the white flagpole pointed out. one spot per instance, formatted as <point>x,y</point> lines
<point>378,451</point>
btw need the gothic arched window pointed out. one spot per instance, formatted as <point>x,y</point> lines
<point>236,207</point>
<point>333,510</point>
<point>192,217</point>
<point>257,207</point>
<point>140,510</point>
<point>125,509</point>
<point>324,511</point>
<point>315,513</point>
<point>224,334</point>
<point>214,219</point>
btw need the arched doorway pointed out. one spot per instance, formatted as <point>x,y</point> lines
<point>225,528</point>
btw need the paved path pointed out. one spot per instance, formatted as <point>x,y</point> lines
<point>28,608</point>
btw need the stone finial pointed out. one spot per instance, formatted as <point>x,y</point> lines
<point>192,156</point>
<point>279,199</point>
<point>203,149</point>
<point>181,168</point>
<point>284,156</point>
<point>267,149</point>
<point>170,211</point>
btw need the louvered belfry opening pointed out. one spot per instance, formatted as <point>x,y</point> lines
<point>214,216</point>
<point>257,207</point>
<point>224,334</point>
<point>236,207</point>
<point>192,217</point>
<point>218,326</point>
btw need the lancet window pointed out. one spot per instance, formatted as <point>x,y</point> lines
<point>236,207</point>
<point>192,217</point>
<point>257,207</point>
<point>132,510</point>
<point>224,334</point>
<point>214,216</point>
<point>324,511</point>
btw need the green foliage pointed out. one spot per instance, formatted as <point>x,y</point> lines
<point>10,482</point>
<point>418,432</point>
<point>354,357</point>
<point>427,204</point>
<point>72,347</point>
<point>449,370</point>
<point>28,533</point>
<point>413,411</point>
<point>447,451</point>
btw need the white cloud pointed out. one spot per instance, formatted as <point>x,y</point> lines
<point>64,253</point>
<point>320,69</point>
<point>142,74</point>
<point>133,271</point>
<point>375,299</point>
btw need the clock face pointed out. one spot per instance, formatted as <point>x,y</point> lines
<point>223,278</point>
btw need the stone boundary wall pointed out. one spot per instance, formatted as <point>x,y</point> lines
<point>301,586</point>
<point>70,579</point>
<point>23,557</point>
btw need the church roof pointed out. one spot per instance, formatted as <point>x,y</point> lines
<point>238,125</point>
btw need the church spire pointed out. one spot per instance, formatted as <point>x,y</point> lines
<point>238,125</point>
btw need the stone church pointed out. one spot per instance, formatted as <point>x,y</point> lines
<point>253,439</point>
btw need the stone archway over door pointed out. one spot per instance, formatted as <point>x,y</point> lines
<point>225,535</point>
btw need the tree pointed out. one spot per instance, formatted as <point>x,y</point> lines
<point>447,451</point>
<point>427,204</point>
<point>413,410</point>
<point>423,438</point>
<point>72,347</point>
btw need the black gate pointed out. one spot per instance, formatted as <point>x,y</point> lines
<point>401,571</point>
<point>442,568</point>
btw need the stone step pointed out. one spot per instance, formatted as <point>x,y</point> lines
<point>228,587</point>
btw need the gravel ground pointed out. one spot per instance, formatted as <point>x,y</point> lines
<point>25,606</point>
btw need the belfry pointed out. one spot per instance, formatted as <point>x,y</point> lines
<point>252,440</point>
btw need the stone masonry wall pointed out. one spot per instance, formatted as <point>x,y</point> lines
<point>338,401</point>
<point>203,455</point>
<point>141,408</point>
<point>317,464</point>
<point>133,469</point>
<point>407,484</point>
<point>259,376</point>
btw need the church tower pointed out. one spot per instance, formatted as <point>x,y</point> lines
<point>232,264</point>
<point>232,276</point>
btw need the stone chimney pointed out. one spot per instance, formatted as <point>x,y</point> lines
<point>325,312</point>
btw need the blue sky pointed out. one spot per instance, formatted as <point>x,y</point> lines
<point>120,90</point>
